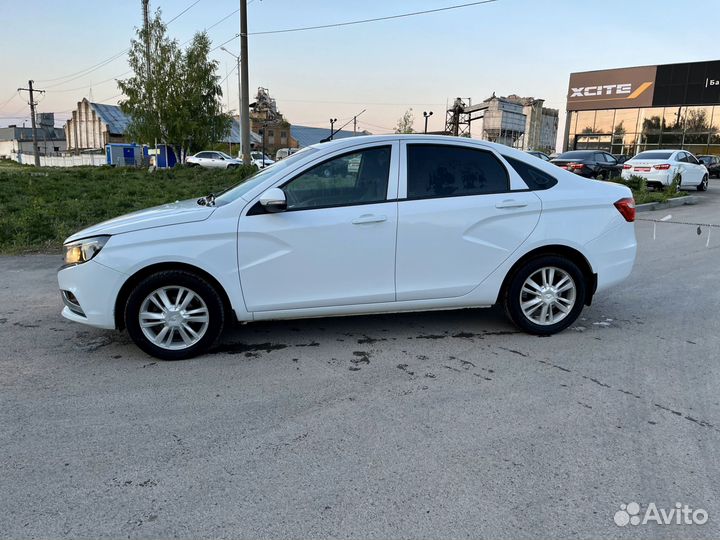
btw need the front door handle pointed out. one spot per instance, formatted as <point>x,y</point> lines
<point>511,203</point>
<point>369,218</point>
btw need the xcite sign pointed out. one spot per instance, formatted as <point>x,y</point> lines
<point>610,89</point>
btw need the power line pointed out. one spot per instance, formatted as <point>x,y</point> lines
<point>176,17</point>
<point>78,74</point>
<point>375,19</point>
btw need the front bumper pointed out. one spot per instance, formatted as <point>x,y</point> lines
<point>93,290</point>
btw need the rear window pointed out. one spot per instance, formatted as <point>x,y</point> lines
<point>533,177</point>
<point>576,154</point>
<point>435,170</point>
<point>653,155</point>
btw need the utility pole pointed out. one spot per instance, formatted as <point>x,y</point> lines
<point>332,127</point>
<point>355,121</point>
<point>244,86</point>
<point>146,27</point>
<point>31,91</point>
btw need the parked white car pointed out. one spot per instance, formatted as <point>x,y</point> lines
<point>361,225</point>
<point>660,167</point>
<point>213,160</point>
<point>258,159</point>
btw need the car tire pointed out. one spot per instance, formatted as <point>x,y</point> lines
<point>528,307</point>
<point>703,185</point>
<point>161,303</point>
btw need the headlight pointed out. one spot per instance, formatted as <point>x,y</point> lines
<point>84,250</point>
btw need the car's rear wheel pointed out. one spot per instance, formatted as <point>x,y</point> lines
<point>545,295</point>
<point>174,315</point>
<point>703,185</point>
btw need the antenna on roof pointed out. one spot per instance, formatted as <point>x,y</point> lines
<point>90,95</point>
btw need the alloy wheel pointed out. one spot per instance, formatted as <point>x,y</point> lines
<point>548,295</point>
<point>174,317</point>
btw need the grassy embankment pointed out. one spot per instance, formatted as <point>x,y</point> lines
<point>40,207</point>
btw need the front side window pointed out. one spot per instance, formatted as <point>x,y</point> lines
<point>357,178</point>
<point>435,170</point>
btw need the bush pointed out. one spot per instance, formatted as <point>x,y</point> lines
<point>642,195</point>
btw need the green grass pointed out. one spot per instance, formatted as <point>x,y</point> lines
<point>40,207</point>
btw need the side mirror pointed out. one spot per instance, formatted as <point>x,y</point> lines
<point>273,200</point>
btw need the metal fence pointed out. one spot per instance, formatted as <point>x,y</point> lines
<point>61,161</point>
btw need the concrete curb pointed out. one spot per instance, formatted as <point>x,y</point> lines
<point>670,203</point>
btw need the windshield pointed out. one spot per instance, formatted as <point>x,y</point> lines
<point>653,155</point>
<point>256,179</point>
<point>575,154</point>
<point>223,154</point>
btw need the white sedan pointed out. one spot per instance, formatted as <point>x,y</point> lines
<point>213,160</point>
<point>660,168</point>
<point>360,225</point>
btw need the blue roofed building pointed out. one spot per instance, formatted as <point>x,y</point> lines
<point>94,125</point>
<point>306,135</point>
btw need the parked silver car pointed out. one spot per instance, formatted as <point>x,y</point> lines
<point>213,160</point>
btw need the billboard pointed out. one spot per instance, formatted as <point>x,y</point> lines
<point>696,83</point>
<point>611,89</point>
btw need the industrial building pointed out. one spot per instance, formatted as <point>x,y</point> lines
<point>514,121</point>
<point>19,139</point>
<point>95,125</point>
<point>628,110</point>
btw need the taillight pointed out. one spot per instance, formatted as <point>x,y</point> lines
<point>626,207</point>
<point>662,167</point>
<point>576,166</point>
<point>626,166</point>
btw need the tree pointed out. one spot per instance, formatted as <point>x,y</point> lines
<point>405,122</point>
<point>177,100</point>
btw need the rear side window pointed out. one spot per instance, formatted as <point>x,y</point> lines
<point>533,177</point>
<point>452,171</point>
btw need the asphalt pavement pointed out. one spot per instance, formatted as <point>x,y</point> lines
<point>426,425</point>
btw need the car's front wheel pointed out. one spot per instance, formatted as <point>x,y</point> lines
<point>703,185</point>
<point>545,295</point>
<point>174,315</point>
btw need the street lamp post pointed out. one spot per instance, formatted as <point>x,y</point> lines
<point>332,127</point>
<point>426,115</point>
<point>240,111</point>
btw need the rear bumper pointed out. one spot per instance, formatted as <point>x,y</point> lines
<point>93,289</point>
<point>613,255</point>
<point>663,178</point>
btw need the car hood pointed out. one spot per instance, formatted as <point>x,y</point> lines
<point>167,214</point>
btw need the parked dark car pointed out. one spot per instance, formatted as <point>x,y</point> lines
<point>589,163</point>
<point>712,164</point>
<point>621,158</point>
<point>541,155</point>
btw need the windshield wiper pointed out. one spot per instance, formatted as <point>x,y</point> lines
<point>207,200</point>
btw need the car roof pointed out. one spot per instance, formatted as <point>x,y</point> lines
<point>435,139</point>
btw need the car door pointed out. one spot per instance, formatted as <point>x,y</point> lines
<point>698,169</point>
<point>335,243</point>
<point>686,169</point>
<point>614,168</point>
<point>461,213</point>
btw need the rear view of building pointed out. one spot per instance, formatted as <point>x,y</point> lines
<point>628,110</point>
<point>93,125</point>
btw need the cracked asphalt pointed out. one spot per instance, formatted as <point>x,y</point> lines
<point>426,425</point>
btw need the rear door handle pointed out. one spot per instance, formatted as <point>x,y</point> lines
<point>369,218</point>
<point>511,203</point>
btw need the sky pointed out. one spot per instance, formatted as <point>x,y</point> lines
<point>423,62</point>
